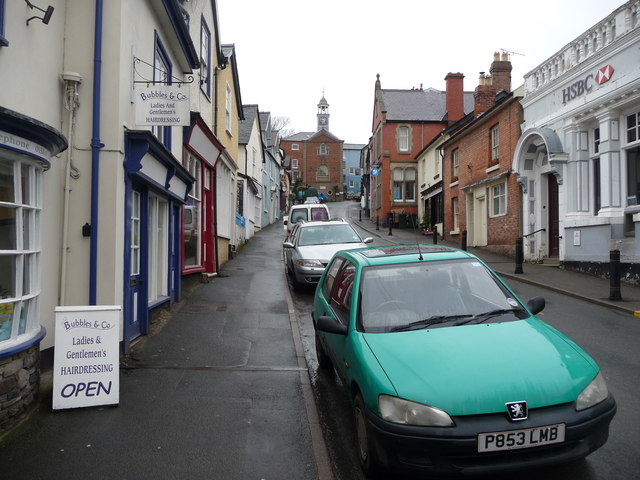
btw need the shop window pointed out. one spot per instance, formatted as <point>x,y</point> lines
<point>158,251</point>
<point>192,213</point>
<point>404,184</point>
<point>499,199</point>
<point>633,176</point>
<point>20,220</point>
<point>633,127</point>
<point>456,214</point>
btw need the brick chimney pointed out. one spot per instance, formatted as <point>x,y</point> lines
<point>484,95</point>
<point>454,97</point>
<point>501,72</point>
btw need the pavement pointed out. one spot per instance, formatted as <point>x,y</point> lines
<point>220,389</point>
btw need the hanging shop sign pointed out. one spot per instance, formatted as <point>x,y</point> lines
<point>86,358</point>
<point>162,105</point>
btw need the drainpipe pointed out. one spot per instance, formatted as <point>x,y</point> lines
<point>96,145</point>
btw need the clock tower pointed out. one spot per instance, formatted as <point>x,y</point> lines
<point>323,114</point>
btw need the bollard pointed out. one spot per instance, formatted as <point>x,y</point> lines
<point>377,223</point>
<point>614,275</point>
<point>435,234</point>
<point>390,220</point>
<point>519,255</point>
<point>463,240</point>
<point>360,215</point>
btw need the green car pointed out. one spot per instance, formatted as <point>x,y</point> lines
<point>448,371</point>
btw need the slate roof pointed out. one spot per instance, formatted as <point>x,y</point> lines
<point>245,126</point>
<point>419,105</point>
<point>304,136</point>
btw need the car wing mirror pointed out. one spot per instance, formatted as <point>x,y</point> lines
<point>287,244</point>
<point>331,325</point>
<point>368,240</point>
<point>536,305</point>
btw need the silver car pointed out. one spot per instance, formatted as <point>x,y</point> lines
<point>310,246</point>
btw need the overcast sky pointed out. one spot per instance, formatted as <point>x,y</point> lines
<point>290,51</point>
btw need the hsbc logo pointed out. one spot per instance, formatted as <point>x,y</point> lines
<point>604,74</point>
<point>584,86</point>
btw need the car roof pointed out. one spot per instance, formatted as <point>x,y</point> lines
<point>315,223</point>
<point>394,254</point>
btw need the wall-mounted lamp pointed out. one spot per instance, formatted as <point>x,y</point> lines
<point>47,13</point>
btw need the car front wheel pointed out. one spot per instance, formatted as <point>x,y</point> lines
<point>368,462</point>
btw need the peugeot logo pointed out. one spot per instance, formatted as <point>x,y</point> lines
<point>517,411</point>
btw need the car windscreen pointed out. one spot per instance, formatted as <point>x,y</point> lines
<point>327,234</point>
<point>433,294</point>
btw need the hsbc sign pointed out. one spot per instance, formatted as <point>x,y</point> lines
<point>585,85</point>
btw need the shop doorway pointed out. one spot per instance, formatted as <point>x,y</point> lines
<point>553,217</point>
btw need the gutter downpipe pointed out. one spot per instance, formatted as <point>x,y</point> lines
<point>96,145</point>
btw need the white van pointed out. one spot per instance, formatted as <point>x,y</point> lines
<point>307,212</point>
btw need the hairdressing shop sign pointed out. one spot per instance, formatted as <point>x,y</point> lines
<point>87,357</point>
<point>162,105</point>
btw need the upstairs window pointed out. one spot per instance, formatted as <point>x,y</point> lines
<point>455,163</point>
<point>227,109</point>
<point>162,76</point>
<point>323,149</point>
<point>295,146</point>
<point>403,139</point>
<point>205,59</point>
<point>294,163</point>
<point>495,143</point>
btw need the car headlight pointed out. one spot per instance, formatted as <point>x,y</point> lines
<point>398,410</point>
<point>309,263</point>
<point>593,393</point>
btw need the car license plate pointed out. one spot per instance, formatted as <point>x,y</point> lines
<point>526,438</point>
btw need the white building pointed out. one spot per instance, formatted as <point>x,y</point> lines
<point>100,222</point>
<point>578,159</point>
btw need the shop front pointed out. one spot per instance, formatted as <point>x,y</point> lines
<point>27,147</point>
<point>157,187</point>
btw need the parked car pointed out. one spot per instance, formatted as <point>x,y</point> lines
<point>305,212</point>
<point>310,245</point>
<point>448,371</point>
<point>312,200</point>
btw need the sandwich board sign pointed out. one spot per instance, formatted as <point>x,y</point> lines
<point>87,356</point>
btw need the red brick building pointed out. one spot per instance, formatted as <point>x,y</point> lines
<point>316,158</point>
<point>404,122</point>
<point>481,195</point>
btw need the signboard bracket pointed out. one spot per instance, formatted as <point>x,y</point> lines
<point>174,80</point>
